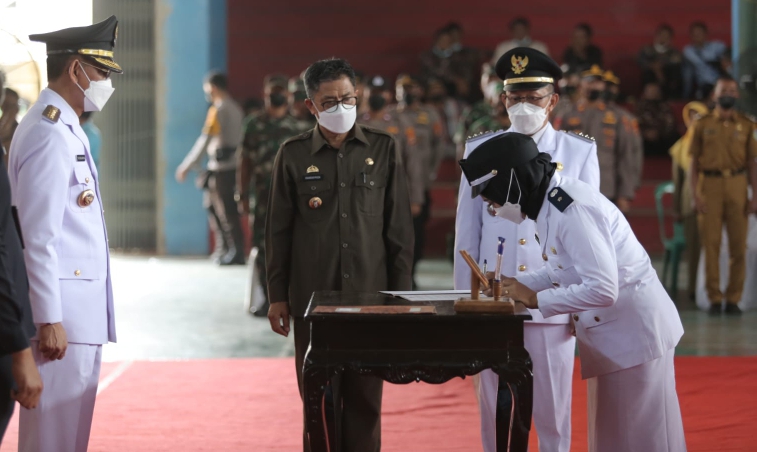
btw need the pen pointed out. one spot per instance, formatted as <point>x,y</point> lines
<point>500,250</point>
<point>484,270</point>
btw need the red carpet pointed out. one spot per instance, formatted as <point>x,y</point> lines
<point>252,405</point>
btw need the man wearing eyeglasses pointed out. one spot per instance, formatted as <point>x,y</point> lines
<point>55,188</point>
<point>529,96</point>
<point>338,219</point>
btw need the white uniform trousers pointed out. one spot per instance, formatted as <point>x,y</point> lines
<point>636,409</point>
<point>552,349</point>
<point>63,419</point>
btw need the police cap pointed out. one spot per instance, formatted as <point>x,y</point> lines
<point>495,158</point>
<point>524,68</point>
<point>594,72</point>
<point>95,41</point>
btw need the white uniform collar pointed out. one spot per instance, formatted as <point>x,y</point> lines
<point>547,133</point>
<point>538,135</point>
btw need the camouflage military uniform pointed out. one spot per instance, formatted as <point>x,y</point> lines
<point>617,145</point>
<point>263,135</point>
<point>467,118</point>
<point>488,123</point>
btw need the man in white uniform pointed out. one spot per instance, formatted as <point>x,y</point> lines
<point>597,271</point>
<point>529,78</point>
<point>56,190</point>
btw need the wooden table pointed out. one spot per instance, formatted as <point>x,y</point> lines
<point>404,348</point>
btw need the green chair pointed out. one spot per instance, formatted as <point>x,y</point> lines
<point>674,245</point>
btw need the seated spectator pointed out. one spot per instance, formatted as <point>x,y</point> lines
<point>702,65</point>
<point>656,121</point>
<point>455,64</point>
<point>661,63</point>
<point>582,54</point>
<point>520,33</point>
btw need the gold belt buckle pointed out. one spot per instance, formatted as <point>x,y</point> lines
<point>726,173</point>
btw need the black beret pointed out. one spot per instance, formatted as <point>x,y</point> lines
<point>95,41</point>
<point>496,157</point>
<point>524,68</point>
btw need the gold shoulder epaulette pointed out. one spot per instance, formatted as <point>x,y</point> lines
<point>51,113</point>
<point>478,136</point>
<point>582,136</point>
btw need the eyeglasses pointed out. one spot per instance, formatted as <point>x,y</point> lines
<point>330,106</point>
<point>104,72</point>
<point>529,99</point>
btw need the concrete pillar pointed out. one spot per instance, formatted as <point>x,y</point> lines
<point>190,41</point>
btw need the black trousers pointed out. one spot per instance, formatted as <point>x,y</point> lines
<point>223,214</point>
<point>357,402</point>
<point>6,385</point>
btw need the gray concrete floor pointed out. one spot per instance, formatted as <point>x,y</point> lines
<point>173,308</point>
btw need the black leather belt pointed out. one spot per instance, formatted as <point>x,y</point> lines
<point>723,173</point>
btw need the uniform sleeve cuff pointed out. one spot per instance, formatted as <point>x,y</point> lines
<point>14,341</point>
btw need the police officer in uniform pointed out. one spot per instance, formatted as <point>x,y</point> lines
<point>423,137</point>
<point>338,219</point>
<point>529,84</point>
<point>262,135</point>
<point>629,120</point>
<point>596,271</point>
<point>56,189</point>
<point>723,149</point>
<point>618,155</point>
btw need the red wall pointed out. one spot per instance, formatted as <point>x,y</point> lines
<point>386,36</point>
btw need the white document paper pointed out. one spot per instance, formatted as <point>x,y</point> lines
<point>429,295</point>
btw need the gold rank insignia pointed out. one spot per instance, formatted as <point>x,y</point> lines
<point>313,169</point>
<point>369,161</point>
<point>394,130</point>
<point>86,198</point>
<point>574,121</point>
<point>51,113</point>
<point>423,118</point>
<point>559,166</point>
<point>315,202</point>
<point>553,193</point>
<point>519,64</point>
<point>610,118</point>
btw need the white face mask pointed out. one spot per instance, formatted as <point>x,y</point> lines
<point>527,118</point>
<point>340,121</point>
<point>511,212</point>
<point>98,93</point>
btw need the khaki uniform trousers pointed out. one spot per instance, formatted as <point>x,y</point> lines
<point>726,200</point>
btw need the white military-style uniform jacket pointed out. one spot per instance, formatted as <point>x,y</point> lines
<point>598,272</point>
<point>476,230</point>
<point>55,188</point>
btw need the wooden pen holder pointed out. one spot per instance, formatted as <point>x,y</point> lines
<point>496,289</point>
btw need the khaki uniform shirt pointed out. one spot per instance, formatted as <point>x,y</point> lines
<point>423,137</point>
<point>617,145</point>
<point>338,219</point>
<point>720,144</point>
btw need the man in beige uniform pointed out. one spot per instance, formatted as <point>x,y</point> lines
<point>423,137</point>
<point>338,219</point>
<point>723,150</point>
<point>618,156</point>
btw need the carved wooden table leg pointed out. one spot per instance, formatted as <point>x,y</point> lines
<point>315,380</point>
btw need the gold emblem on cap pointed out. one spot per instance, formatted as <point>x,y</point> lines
<point>369,161</point>
<point>86,198</point>
<point>559,166</point>
<point>519,64</point>
<point>315,202</point>
<point>313,169</point>
<point>553,193</point>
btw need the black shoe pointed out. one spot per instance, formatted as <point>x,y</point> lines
<point>732,309</point>
<point>262,312</point>
<point>715,309</point>
<point>232,258</point>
